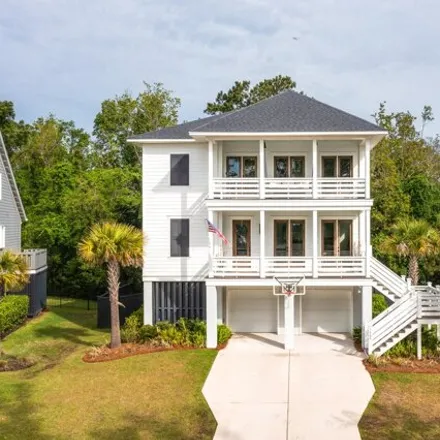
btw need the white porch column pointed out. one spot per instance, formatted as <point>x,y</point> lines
<point>367,168</point>
<point>211,244</point>
<point>362,160</point>
<point>289,314</point>
<point>315,243</point>
<point>419,341</point>
<point>211,316</point>
<point>210,169</point>
<point>148,303</point>
<point>262,243</point>
<point>315,168</point>
<point>261,162</point>
<point>367,311</point>
<point>368,248</point>
<point>220,159</point>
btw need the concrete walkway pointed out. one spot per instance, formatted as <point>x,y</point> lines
<point>259,391</point>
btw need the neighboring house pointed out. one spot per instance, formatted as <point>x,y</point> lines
<point>12,214</point>
<point>287,181</point>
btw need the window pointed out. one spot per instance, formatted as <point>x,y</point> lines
<point>241,166</point>
<point>289,238</point>
<point>179,237</point>
<point>179,170</point>
<point>289,166</point>
<point>241,233</point>
<point>336,238</point>
<point>337,166</point>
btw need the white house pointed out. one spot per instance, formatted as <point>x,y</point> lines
<point>287,181</point>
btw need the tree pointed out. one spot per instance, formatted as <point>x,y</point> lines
<point>13,272</point>
<point>114,245</point>
<point>124,116</point>
<point>414,239</point>
<point>241,95</point>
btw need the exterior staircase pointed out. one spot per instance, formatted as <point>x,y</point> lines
<point>387,282</point>
<point>419,305</point>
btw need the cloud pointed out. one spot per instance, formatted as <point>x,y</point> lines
<point>66,56</point>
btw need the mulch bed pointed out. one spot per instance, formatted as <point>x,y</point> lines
<point>106,354</point>
<point>430,366</point>
<point>14,364</point>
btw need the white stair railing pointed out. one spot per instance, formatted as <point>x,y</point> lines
<point>387,278</point>
<point>393,320</point>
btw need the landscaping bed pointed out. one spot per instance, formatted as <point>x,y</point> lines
<point>403,365</point>
<point>13,363</point>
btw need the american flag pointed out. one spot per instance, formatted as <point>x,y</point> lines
<point>214,230</point>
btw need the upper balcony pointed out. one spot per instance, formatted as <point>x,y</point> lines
<point>289,170</point>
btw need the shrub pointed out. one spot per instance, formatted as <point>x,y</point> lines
<point>224,333</point>
<point>131,328</point>
<point>13,312</point>
<point>147,333</point>
<point>357,335</point>
<point>379,304</point>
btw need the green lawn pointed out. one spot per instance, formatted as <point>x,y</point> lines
<point>405,407</point>
<point>154,396</point>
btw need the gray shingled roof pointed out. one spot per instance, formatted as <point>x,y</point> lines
<point>287,112</point>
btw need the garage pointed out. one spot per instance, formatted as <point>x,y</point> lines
<point>327,310</point>
<point>252,310</point>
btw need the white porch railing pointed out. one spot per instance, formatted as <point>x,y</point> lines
<point>287,266</point>
<point>341,266</point>
<point>280,188</point>
<point>287,188</point>
<point>236,266</point>
<point>387,278</point>
<point>35,258</point>
<point>343,188</point>
<point>228,188</point>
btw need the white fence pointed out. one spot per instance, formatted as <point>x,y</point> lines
<point>344,188</point>
<point>35,258</point>
<point>341,266</point>
<point>288,188</point>
<point>226,188</point>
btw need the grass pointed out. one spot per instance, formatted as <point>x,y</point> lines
<point>406,406</point>
<point>154,396</point>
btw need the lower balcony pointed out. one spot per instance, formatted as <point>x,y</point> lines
<point>236,267</point>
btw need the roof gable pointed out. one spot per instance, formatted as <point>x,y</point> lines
<point>11,179</point>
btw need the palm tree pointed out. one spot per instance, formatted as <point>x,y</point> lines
<point>414,239</point>
<point>115,245</point>
<point>14,272</point>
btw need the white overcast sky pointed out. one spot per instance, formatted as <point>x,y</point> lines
<point>66,56</point>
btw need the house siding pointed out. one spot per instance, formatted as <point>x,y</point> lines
<point>163,202</point>
<point>9,214</point>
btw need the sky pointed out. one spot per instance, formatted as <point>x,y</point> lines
<point>66,56</point>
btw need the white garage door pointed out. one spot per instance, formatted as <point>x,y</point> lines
<point>326,310</point>
<point>252,310</point>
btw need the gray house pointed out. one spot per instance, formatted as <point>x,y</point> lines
<point>12,214</point>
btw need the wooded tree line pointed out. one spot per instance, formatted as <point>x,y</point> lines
<point>70,179</point>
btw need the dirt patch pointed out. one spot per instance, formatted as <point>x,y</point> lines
<point>400,365</point>
<point>106,354</point>
<point>11,363</point>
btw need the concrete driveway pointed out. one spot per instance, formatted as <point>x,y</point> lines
<point>259,391</point>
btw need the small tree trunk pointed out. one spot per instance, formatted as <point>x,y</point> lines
<point>413,270</point>
<point>2,290</point>
<point>113,290</point>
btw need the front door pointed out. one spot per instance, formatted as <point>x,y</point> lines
<point>241,233</point>
<point>336,238</point>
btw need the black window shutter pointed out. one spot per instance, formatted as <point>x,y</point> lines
<point>179,169</point>
<point>179,238</point>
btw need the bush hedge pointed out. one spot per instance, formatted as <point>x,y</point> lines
<point>13,312</point>
<point>183,333</point>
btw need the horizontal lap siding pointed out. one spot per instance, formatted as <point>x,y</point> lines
<point>9,215</point>
<point>162,202</point>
